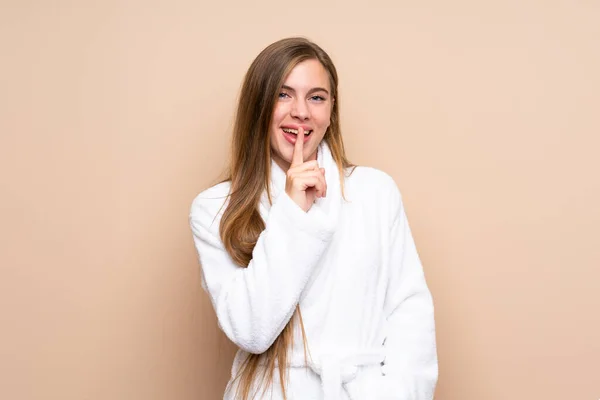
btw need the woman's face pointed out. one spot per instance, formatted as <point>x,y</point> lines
<point>304,101</point>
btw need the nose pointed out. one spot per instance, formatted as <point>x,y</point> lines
<point>300,110</point>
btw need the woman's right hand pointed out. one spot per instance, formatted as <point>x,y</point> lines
<point>305,180</point>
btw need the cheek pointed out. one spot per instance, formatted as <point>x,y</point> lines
<point>325,118</point>
<point>276,121</point>
<point>279,113</point>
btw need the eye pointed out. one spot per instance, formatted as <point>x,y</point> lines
<point>283,95</point>
<point>318,98</point>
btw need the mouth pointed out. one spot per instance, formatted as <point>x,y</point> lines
<point>295,131</point>
<point>291,135</point>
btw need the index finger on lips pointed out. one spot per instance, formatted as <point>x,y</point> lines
<point>298,157</point>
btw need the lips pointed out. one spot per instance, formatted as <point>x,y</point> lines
<point>291,137</point>
<point>295,131</point>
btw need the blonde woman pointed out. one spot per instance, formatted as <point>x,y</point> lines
<point>308,260</point>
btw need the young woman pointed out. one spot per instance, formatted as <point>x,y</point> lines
<point>308,260</point>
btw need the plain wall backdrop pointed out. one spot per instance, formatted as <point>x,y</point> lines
<point>115,114</point>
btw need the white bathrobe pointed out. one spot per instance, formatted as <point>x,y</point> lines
<point>352,266</point>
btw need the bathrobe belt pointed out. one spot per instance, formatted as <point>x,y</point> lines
<point>335,371</point>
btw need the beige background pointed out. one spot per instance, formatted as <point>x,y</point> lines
<point>115,114</point>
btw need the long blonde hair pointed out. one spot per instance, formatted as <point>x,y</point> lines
<point>249,173</point>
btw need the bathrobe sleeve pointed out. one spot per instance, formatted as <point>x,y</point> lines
<point>254,304</point>
<point>410,367</point>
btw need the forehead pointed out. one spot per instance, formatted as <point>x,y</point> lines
<point>307,75</point>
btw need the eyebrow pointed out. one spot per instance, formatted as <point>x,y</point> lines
<point>315,89</point>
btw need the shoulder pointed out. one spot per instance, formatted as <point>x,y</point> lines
<point>209,204</point>
<point>372,180</point>
<point>375,190</point>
